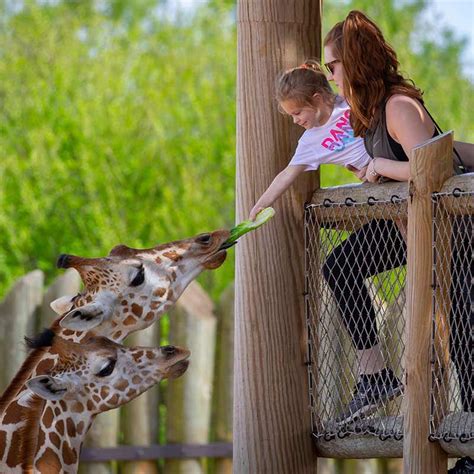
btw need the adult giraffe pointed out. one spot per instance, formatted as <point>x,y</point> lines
<point>42,431</point>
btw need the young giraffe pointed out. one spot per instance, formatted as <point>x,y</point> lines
<point>43,431</point>
<point>131,288</point>
<point>124,292</point>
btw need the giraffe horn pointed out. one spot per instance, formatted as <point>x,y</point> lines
<point>72,261</point>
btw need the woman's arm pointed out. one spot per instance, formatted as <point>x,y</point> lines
<point>408,124</point>
<point>466,151</point>
<point>397,170</point>
<point>279,185</point>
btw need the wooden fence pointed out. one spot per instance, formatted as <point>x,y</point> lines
<point>131,439</point>
<point>180,422</point>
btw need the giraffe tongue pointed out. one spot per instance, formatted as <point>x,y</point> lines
<point>216,260</point>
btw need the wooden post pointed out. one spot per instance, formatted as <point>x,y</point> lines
<point>139,415</point>
<point>224,370</point>
<point>17,319</point>
<point>272,432</point>
<point>103,434</point>
<point>430,166</point>
<point>188,398</point>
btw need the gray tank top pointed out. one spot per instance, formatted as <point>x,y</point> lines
<point>378,142</point>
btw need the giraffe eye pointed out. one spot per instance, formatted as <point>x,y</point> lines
<point>108,369</point>
<point>204,239</point>
<point>139,277</point>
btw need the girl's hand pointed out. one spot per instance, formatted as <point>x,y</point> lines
<point>253,213</point>
<point>361,174</point>
<point>370,174</point>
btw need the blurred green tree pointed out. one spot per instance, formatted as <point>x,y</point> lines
<point>117,125</point>
<point>118,119</point>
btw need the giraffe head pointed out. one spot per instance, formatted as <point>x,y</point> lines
<point>99,374</point>
<point>131,288</point>
<point>42,428</point>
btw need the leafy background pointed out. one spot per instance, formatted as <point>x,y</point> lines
<point>118,120</point>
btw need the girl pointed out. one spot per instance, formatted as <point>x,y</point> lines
<point>388,112</point>
<point>305,95</point>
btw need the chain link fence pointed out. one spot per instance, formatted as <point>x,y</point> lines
<point>452,348</point>
<point>355,277</point>
<point>355,301</point>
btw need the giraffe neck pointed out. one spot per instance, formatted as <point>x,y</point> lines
<point>42,436</point>
<point>61,432</point>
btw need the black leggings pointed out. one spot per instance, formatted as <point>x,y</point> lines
<point>379,246</point>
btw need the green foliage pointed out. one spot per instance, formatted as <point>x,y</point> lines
<point>118,120</point>
<point>117,126</point>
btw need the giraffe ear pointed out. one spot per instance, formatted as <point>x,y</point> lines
<point>90,315</point>
<point>62,304</point>
<point>86,317</point>
<point>47,387</point>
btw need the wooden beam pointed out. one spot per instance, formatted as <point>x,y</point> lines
<point>344,203</point>
<point>272,431</point>
<point>430,166</point>
<point>156,451</point>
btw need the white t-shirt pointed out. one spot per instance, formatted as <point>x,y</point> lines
<point>332,143</point>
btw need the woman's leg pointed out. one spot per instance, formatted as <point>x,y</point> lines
<point>376,247</point>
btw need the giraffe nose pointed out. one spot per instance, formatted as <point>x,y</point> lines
<point>168,350</point>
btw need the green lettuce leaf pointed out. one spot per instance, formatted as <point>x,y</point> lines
<point>246,226</point>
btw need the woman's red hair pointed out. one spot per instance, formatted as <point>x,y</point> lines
<point>370,65</point>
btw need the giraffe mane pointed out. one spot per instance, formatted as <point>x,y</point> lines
<point>23,374</point>
<point>29,432</point>
<point>43,339</point>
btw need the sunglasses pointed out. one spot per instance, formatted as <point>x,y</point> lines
<point>330,66</point>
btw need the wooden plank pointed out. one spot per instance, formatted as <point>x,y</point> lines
<point>188,399</point>
<point>17,320</point>
<point>387,200</point>
<point>224,376</point>
<point>430,166</point>
<point>139,415</point>
<point>156,451</point>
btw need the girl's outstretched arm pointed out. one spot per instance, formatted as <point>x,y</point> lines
<point>279,185</point>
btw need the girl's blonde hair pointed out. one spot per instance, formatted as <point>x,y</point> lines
<point>302,82</point>
<point>371,69</point>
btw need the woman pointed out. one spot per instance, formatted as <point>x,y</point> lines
<point>387,111</point>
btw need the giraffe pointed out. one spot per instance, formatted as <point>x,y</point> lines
<point>124,292</point>
<point>131,288</point>
<point>42,432</point>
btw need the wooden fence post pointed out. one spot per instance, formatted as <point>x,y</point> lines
<point>223,382</point>
<point>17,320</point>
<point>103,434</point>
<point>272,429</point>
<point>430,166</point>
<point>138,416</point>
<point>188,399</point>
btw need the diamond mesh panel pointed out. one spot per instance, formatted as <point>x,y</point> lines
<point>355,299</point>
<point>452,349</point>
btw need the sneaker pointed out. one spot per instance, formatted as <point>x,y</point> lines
<point>371,392</point>
<point>463,466</point>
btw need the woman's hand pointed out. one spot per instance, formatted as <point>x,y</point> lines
<point>371,174</point>
<point>361,174</point>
